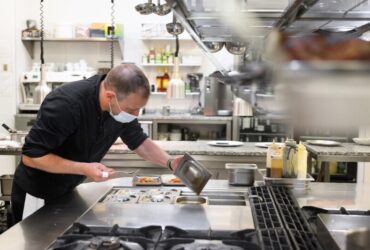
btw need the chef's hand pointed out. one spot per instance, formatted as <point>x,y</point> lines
<point>175,162</point>
<point>98,172</point>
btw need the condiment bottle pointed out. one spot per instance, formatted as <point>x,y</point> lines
<point>276,166</point>
<point>273,149</point>
<point>165,80</point>
<point>302,160</point>
<point>290,159</point>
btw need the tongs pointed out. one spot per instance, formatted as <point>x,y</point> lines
<point>116,174</point>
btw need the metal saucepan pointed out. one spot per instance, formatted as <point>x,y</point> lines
<point>15,135</point>
<point>214,46</point>
<point>162,9</point>
<point>145,8</point>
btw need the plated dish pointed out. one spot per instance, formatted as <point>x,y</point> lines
<point>225,143</point>
<point>171,180</point>
<point>147,180</point>
<point>326,143</point>
<point>362,141</point>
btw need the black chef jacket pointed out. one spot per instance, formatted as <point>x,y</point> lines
<point>71,124</point>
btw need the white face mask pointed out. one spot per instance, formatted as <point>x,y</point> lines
<point>122,117</point>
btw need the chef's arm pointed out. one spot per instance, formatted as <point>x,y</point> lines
<point>55,164</point>
<point>151,152</point>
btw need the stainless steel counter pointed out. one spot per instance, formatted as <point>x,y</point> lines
<point>40,229</point>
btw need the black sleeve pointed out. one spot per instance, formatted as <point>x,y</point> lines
<point>57,119</point>
<point>133,135</point>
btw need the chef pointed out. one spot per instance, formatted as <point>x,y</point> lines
<point>76,125</point>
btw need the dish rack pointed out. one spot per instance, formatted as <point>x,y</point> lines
<point>293,183</point>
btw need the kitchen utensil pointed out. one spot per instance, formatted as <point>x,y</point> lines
<point>145,8</point>
<point>10,130</point>
<point>236,48</point>
<point>16,136</point>
<point>241,174</point>
<point>192,173</point>
<point>326,143</point>
<point>362,141</point>
<point>225,143</point>
<point>162,9</point>
<point>116,173</point>
<point>193,200</point>
<point>174,28</point>
<point>290,165</point>
<point>214,46</point>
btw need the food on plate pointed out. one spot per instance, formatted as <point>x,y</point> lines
<point>147,180</point>
<point>175,180</point>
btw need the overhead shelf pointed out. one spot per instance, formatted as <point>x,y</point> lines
<point>90,39</point>
<point>169,65</point>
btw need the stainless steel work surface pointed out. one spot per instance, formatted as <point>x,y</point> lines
<point>187,217</point>
<point>40,229</point>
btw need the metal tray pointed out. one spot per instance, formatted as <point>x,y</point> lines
<point>136,180</point>
<point>192,173</point>
<point>296,183</point>
<point>166,180</point>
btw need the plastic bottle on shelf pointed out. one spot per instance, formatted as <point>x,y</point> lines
<point>152,56</point>
<point>302,160</point>
<point>158,57</point>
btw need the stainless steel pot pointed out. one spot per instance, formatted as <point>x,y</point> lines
<point>241,174</point>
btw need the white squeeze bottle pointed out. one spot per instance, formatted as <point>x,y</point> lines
<point>302,160</point>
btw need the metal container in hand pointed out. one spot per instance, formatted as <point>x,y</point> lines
<point>241,174</point>
<point>192,173</point>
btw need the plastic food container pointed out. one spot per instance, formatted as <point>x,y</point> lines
<point>241,174</point>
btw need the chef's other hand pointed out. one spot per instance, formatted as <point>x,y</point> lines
<point>175,162</point>
<point>98,172</point>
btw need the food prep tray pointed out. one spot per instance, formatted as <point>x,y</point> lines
<point>147,180</point>
<point>171,180</point>
<point>296,183</point>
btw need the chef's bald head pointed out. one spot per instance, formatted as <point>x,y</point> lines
<point>125,79</point>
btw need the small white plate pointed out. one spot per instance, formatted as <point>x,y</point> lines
<point>326,143</point>
<point>225,143</point>
<point>267,144</point>
<point>362,141</point>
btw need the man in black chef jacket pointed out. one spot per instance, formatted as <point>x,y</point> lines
<point>76,125</point>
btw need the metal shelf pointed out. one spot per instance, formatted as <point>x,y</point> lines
<point>90,39</point>
<point>169,65</point>
<point>263,134</point>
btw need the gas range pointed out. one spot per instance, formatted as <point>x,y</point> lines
<point>84,237</point>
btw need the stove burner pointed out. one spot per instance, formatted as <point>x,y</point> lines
<point>105,243</point>
<point>205,245</point>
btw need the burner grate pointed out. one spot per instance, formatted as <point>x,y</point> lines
<point>294,221</point>
<point>261,193</point>
<point>266,216</point>
<point>276,239</point>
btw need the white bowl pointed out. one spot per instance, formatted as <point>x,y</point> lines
<point>362,141</point>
